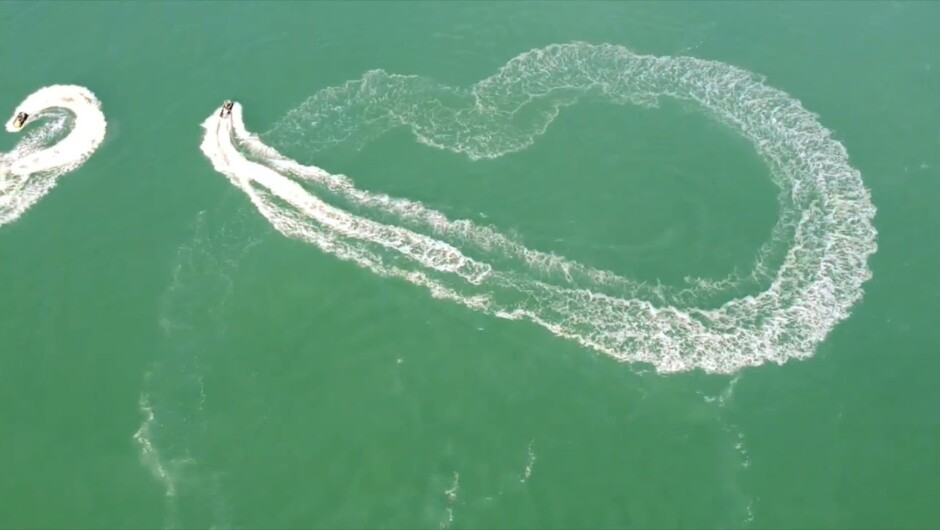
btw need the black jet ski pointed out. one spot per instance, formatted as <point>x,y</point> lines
<point>20,120</point>
<point>226,109</point>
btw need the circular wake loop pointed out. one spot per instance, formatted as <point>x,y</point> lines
<point>31,169</point>
<point>820,246</point>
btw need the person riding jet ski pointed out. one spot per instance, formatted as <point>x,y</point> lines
<point>226,109</point>
<point>20,120</point>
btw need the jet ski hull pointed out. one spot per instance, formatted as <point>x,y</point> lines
<point>20,121</point>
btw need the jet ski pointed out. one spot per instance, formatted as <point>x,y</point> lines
<point>226,109</point>
<point>20,120</point>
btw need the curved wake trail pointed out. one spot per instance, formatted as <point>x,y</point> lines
<point>173,438</point>
<point>32,168</point>
<point>815,263</point>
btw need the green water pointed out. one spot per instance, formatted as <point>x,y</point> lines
<point>290,389</point>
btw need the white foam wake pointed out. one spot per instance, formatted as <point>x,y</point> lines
<point>225,158</point>
<point>820,246</point>
<point>32,168</point>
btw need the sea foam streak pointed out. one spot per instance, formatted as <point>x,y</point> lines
<point>821,243</point>
<point>32,168</point>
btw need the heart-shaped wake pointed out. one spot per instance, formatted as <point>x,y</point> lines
<point>822,241</point>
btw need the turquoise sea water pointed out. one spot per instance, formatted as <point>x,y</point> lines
<point>169,359</point>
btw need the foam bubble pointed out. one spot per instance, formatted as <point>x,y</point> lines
<point>31,169</point>
<point>814,266</point>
